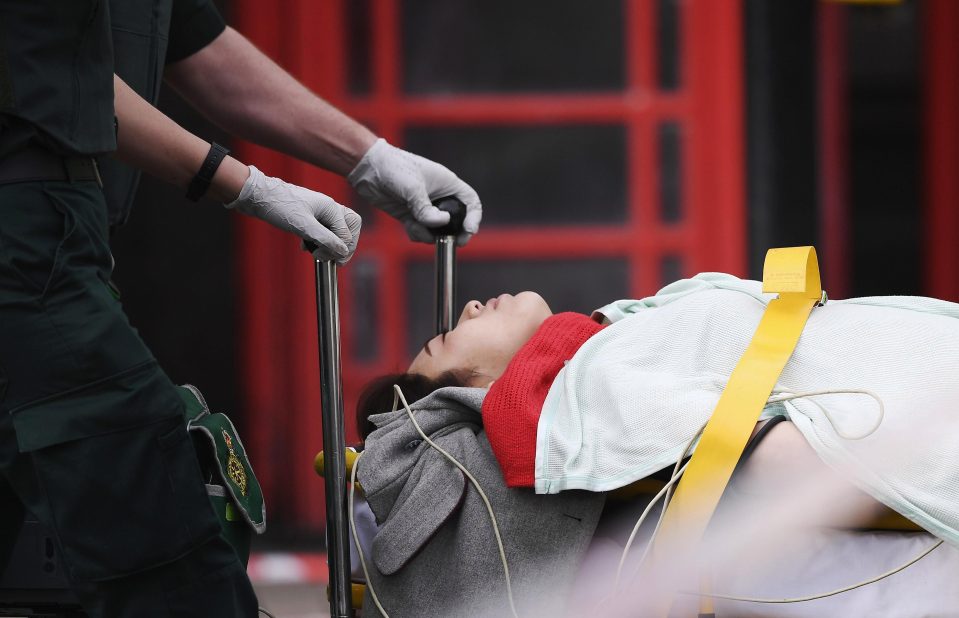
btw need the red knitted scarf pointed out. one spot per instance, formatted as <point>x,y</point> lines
<point>512,407</point>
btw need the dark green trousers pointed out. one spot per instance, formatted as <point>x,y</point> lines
<point>92,437</point>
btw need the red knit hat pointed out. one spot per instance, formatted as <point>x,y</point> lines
<point>512,407</point>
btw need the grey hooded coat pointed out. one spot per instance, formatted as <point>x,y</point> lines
<point>435,553</point>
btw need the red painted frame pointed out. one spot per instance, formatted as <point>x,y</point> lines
<point>941,145</point>
<point>279,362</point>
<point>833,101</point>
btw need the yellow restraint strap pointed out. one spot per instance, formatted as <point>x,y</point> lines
<point>793,273</point>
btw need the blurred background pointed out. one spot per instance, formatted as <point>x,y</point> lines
<point>617,145</point>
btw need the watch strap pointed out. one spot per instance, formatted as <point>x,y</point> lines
<point>201,182</point>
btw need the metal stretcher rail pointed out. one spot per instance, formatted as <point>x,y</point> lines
<point>331,396</point>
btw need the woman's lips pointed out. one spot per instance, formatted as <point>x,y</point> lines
<point>493,303</point>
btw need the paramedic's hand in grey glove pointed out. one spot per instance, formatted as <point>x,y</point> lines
<point>403,184</point>
<point>333,228</point>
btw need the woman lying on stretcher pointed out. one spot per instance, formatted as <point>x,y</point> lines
<point>571,403</point>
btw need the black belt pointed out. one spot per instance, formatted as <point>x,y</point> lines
<point>35,163</point>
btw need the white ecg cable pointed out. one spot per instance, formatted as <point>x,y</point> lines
<point>782,396</point>
<point>356,537</point>
<point>788,396</point>
<point>666,491</point>
<point>831,593</point>
<point>398,396</point>
<point>677,474</point>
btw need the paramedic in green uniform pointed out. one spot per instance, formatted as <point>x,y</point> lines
<point>92,438</point>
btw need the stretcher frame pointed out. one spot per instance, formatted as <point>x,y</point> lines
<point>792,273</point>
<point>331,397</point>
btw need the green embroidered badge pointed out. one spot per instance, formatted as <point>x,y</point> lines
<point>234,467</point>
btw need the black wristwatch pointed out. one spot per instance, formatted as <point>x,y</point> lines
<point>201,182</point>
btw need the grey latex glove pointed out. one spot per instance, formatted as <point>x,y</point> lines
<point>332,228</point>
<point>403,185</point>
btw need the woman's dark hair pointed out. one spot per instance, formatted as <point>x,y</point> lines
<point>377,396</point>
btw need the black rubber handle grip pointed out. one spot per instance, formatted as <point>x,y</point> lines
<point>457,210</point>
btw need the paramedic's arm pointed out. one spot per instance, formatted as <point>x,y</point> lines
<point>149,140</point>
<point>250,96</point>
<point>239,88</point>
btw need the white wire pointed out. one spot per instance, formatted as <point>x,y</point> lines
<point>666,490</point>
<point>669,495</point>
<point>398,392</point>
<point>787,396</point>
<point>489,508</point>
<point>639,523</point>
<point>731,597</point>
<point>832,421</point>
<point>356,537</point>
<point>677,473</point>
<point>882,408</point>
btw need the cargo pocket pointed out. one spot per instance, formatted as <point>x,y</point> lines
<point>35,229</point>
<point>119,474</point>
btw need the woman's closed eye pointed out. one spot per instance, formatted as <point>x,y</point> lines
<point>426,345</point>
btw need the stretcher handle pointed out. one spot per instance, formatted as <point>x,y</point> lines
<point>445,297</point>
<point>457,210</point>
<point>334,439</point>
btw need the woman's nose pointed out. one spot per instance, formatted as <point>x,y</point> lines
<point>472,309</point>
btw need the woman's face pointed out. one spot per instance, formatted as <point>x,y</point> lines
<point>485,339</point>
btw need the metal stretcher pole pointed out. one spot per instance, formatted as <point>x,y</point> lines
<point>446,263</point>
<point>334,440</point>
<point>331,393</point>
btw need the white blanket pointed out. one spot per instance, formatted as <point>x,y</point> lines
<point>631,398</point>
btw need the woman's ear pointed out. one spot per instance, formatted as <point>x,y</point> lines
<point>478,379</point>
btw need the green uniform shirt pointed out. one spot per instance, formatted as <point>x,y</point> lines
<point>56,83</point>
<point>148,35</point>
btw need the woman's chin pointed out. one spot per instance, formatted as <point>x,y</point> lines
<point>536,304</point>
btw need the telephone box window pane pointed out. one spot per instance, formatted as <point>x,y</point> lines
<point>670,172</point>
<point>360,44</point>
<point>363,208</point>
<point>670,269</point>
<point>535,175</point>
<point>464,46</point>
<point>667,17</point>
<point>567,285</point>
<point>363,316</point>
